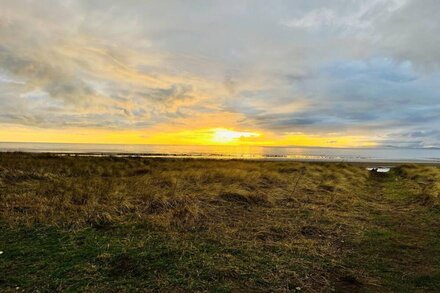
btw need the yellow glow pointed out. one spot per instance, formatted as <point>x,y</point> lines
<point>200,136</point>
<point>226,136</point>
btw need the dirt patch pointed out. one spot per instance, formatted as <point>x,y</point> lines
<point>124,264</point>
<point>245,198</point>
<point>312,232</point>
<point>348,283</point>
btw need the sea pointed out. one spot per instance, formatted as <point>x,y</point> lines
<point>398,155</point>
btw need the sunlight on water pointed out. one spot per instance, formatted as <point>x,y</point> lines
<point>242,152</point>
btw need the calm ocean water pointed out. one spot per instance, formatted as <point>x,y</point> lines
<point>245,152</point>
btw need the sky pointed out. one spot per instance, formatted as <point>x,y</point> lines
<point>282,73</point>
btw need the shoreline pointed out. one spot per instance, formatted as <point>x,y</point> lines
<point>267,158</point>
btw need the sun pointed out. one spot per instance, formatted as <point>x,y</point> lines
<point>226,136</point>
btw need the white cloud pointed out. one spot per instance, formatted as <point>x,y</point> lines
<point>358,18</point>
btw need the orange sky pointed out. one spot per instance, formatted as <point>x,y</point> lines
<point>201,136</point>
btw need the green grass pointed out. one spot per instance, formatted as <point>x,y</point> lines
<point>129,224</point>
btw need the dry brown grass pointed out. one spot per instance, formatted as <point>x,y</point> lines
<point>426,182</point>
<point>248,224</point>
<point>81,191</point>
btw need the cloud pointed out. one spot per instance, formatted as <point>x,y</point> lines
<point>317,67</point>
<point>359,17</point>
<point>410,33</point>
<point>92,82</point>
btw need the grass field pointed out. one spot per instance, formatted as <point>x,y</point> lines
<point>141,224</point>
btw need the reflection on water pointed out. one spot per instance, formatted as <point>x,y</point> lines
<point>244,152</point>
<point>379,169</point>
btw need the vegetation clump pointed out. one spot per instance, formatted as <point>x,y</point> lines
<point>425,181</point>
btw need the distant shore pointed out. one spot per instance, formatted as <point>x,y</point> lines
<point>318,159</point>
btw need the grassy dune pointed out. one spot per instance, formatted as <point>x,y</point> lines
<point>123,224</point>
